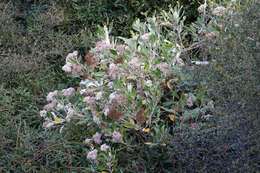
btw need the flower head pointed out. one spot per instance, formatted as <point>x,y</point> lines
<point>134,63</point>
<point>120,48</point>
<point>51,105</point>
<point>96,120</point>
<point>210,35</point>
<point>72,55</point>
<point>92,155</point>
<point>99,95</point>
<point>67,68</point>
<point>117,137</point>
<point>219,11</point>
<point>48,124</point>
<point>102,45</point>
<point>70,113</point>
<point>97,138</point>
<point>43,113</point>
<point>149,83</point>
<point>68,91</point>
<point>104,147</point>
<point>202,8</point>
<point>146,36</point>
<point>89,100</point>
<point>51,95</point>
<point>114,71</point>
<point>117,99</point>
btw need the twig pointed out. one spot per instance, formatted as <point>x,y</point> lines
<point>194,46</point>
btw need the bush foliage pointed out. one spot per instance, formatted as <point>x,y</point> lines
<point>87,14</point>
<point>233,82</point>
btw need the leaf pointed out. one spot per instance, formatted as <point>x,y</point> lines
<point>58,120</point>
<point>148,143</point>
<point>114,52</point>
<point>152,38</point>
<point>147,66</point>
<point>168,103</point>
<point>163,144</point>
<point>168,110</point>
<point>192,114</point>
<point>168,45</point>
<point>132,121</point>
<point>147,130</point>
<point>172,117</point>
<point>182,45</point>
<point>82,122</point>
<point>131,78</point>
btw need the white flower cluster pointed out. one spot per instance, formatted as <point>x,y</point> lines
<point>71,67</point>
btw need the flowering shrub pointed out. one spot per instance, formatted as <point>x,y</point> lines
<point>122,86</point>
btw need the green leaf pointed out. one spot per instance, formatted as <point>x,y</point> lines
<point>147,66</point>
<point>192,114</point>
<point>168,110</point>
<point>114,52</point>
<point>129,125</point>
<point>153,38</point>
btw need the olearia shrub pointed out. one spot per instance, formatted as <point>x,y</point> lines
<point>122,87</point>
<point>230,75</point>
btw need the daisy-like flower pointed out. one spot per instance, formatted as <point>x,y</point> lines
<point>219,11</point>
<point>66,68</point>
<point>114,71</point>
<point>120,48</point>
<point>51,105</point>
<point>43,113</point>
<point>77,69</point>
<point>102,45</point>
<point>96,120</point>
<point>104,147</point>
<point>70,113</point>
<point>48,124</point>
<point>99,95</point>
<point>89,100</point>
<point>117,137</point>
<point>68,91</point>
<point>210,35</point>
<point>134,63</point>
<point>149,83</point>
<point>97,138</point>
<point>117,99</point>
<point>51,95</point>
<point>146,36</point>
<point>202,8</point>
<point>92,155</point>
